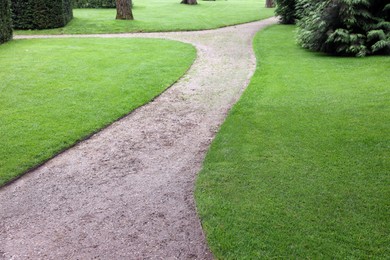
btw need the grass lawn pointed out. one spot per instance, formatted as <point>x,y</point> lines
<point>56,92</point>
<point>164,15</point>
<point>301,167</point>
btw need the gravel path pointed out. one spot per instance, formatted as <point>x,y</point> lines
<point>127,192</point>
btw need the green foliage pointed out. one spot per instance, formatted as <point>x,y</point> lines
<point>5,21</point>
<point>55,92</point>
<point>345,27</point>
<point>286,10</point>
<point>305,7</point>
<point>300,167</point>
<point>41,14</point>
<point>94,4</point>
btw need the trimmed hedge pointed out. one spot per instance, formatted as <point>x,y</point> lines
<point>41,14</point>
<point>5,21</point>
<point>94,4</point>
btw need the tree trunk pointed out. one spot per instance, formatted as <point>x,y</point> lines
<point>123,10</point>
<point>189,2</point>
<point>269,3</point>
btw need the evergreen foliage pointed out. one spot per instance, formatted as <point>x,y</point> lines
<point>5,21</point>
<point>286,10</point>
<point>345,27</point>
<point>340,27</point>
<point>41,14</point>
<point>94,4</point>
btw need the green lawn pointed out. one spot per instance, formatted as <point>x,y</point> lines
<point>56,92</point>
<point>164,15</point>
<point>301,167</point>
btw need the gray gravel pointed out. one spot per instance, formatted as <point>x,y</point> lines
<point>127,192</point>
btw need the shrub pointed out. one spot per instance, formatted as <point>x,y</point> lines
<point>5,21</point>
<point>345,27</point>
<point>94,4</point>
<point>41,14</point>
<point>286,10</point>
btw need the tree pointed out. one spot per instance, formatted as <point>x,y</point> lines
<point>123,10</point>
<point>286,10</point>
<point>345,27</point>
<point>189,2</point>
<point>5,21</point>
<point>269,3</point>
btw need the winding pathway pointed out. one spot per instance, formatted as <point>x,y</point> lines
<point>127,192</point>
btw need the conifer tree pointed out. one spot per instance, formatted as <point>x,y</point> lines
<point>345,27</point>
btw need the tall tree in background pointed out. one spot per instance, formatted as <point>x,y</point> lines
<point>123,10</point>
<point>189,2</point>
<point>5,21</point>
<point>269,3</point>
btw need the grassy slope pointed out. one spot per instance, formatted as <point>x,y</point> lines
<point>58,91</point>
<point>164,15</point>
<point>300,168</point>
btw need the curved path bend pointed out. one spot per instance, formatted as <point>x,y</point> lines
<point>127,192</point>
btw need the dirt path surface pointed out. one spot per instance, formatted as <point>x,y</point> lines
<point>127,192</point>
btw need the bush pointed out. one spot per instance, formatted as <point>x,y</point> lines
<point>94,4</point>
<point>286,10</point>
<point>345,27</point>
<point>41,14</point>
<point>5,21</point>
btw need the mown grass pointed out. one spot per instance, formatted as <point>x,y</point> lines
<point>56,92</point>
<point>301,167</point>
<point>164,15</point>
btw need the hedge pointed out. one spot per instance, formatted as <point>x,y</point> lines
<point>94,4</point>
<point>41,14</point>
<point>5,21</point>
